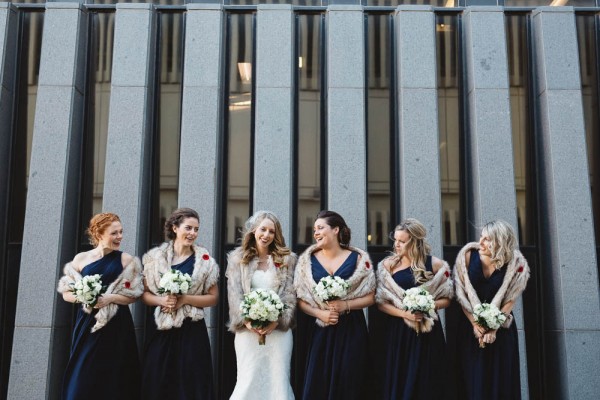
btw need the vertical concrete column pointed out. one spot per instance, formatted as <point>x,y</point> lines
<point>346,125</point>
<point>490,152</point>
<point>41,338</point>
<point>201,126</point>
<point>570,288</point>
<point>419,167</point>
<point>128,148</point>
<point>273,160</point>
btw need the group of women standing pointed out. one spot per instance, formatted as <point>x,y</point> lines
<point>177,362</point>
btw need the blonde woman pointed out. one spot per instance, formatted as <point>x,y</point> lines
<point>262,262</point>
<point>489,271</point>
<point>415,343</point>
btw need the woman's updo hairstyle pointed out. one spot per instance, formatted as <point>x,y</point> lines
<point>98,225</point>
<point>176,218</point>
<point>335,220</point>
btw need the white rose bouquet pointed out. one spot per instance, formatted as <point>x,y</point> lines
<point>174,282</point>
<point>331,288</point>
<point>88,289</point>
<point>416,300</point>
<point>261,307</point>
<point>488,316</point>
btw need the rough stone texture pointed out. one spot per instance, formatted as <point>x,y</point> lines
<point>419,166</point>
<point>201,128</point>
<point>42,320</point>
<point>273,137</point>
<point>490,151</point>
<point>570,286</point>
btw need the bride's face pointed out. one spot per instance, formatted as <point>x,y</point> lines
<point>264,234</point>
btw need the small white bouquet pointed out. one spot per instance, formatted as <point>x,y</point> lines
<point>174,282</point>
<point>88,289</point>
<point>261,307</point>
<point>416,300</point>
<point>488,316</point>
<point>331,288</point>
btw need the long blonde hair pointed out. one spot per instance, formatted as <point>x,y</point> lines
<point>418,249</point>
<point>503,239</point>
<point>277,248</point>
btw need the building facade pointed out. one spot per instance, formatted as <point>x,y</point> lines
<point>454,112</point>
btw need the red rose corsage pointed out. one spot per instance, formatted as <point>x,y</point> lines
<point>447,274</point>
<point>520,268</point>
<point>367,264</point>
<point>127,284</point>
<point>205,257</point>
<point>277,265</point>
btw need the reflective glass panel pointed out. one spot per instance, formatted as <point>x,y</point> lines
<point>535,3</point>
<point>157,2</point>
<point>434,3</point>
<point>294,2</point>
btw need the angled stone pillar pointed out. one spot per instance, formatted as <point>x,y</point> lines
<point>419,167</point>
<point>570,287</point>
<point>42,324</point>
<point>346,125</point>
<point>128,148</point>
<point>491,188</point>
<point>201,127</point>
<point>273,137</point>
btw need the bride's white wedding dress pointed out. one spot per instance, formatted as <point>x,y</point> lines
<point>263,372</point>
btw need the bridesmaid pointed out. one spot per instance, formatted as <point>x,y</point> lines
<point>178,362</point>
<point>415,361</point>
<point>337,362</point>
<point>262,262</point>
<point>489,271</point>
<point>104,358</point>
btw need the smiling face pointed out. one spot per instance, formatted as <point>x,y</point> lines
<point>325,235</point>
<point>401,243</point>
<point>112,236</point>
<point>187,231</point>
<point>264,234</point>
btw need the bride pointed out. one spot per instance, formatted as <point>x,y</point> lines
<point>262,262</point>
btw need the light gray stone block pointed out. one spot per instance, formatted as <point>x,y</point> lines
<point>345,47</point>
<point>274,51</point>
<point>583,356</point>
<point>29,364</point>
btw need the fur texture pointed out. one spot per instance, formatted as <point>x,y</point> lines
<point>362,281</point>
<point>204,276</point>
<point>131,276</point>
<point>440,286</point>
<point>239,279</point>
<point>515,281</point>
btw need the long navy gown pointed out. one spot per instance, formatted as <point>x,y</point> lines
<point>337,363</point>
<point>178,362</point>
<point>414,363</point>
<point>103,364</point>
<point>492,372</point>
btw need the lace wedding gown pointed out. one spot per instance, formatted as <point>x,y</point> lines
<point>263,372</point>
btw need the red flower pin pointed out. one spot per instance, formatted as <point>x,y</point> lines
<point>520,269</point>
<point>447,274</point>
<point>127,284</point>
<point>367,264</point>
<point>205,257</point>
<point>277,265</point>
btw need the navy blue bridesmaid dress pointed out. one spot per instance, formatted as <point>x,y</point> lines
<point>492,372</point>
<point>337,363</point>
<point>415,364</point>
<point>178,362</point>
<point>103,364</point>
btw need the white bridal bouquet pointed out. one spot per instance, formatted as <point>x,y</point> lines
<point>331,288</point>
<point>416,300</point>
<point>174,282</point>
<point>88,289</point>
<point>488,316</point>
<point>261,307</point>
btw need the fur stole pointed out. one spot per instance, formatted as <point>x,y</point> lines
<point>514,283</point>
<point>388,291</point>
<point>204,276</point>
<point>239,279</point>
<point>362,281</point>
<point>129,283</point>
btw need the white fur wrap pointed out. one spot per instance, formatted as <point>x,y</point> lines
<point>128,283</point>
<point>239,279</point>
<point>204,276</point>
<point>440,286</point>
<point>362,282</point>
<point>515,281</point>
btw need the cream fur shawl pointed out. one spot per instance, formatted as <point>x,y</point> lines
<point>440,286</point>
<point>514,283</point>
<point>128,283</point>
<point>239,279</point>
<point>204,276</point>
<point>362,281</point>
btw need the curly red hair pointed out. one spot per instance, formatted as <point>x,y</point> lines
<point>98,224</point>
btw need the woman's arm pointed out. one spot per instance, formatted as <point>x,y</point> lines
<point>150,299</point>
<point>326,316</point>
<point>345,306</point>
<point>209,299</point>
<point>107,299</point>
